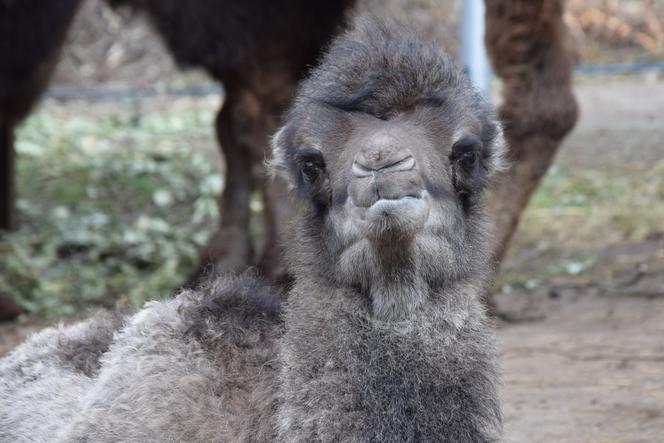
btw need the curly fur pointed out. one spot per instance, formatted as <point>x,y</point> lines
<point>378,341</point>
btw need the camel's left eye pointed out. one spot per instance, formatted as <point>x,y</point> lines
<point>466,152</point>
<point>311,163</point>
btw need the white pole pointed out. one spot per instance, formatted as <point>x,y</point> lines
<point>473,52</point>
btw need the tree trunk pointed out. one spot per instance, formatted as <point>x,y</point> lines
<point>530,51</point>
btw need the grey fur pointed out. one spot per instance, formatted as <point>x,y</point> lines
<point>382,338</point>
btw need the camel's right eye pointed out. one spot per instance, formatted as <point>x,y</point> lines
<point>310,171</point>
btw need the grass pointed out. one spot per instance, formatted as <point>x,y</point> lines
<point>115,200</point>
<point>575,214</point>
<point>112,206</point>
<point>626,203</point>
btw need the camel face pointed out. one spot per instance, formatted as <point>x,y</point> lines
<point>390,149</point>
<point>398,180</point>
<point>405,194</point>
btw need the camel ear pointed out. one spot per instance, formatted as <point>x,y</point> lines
<point>498,152</point>
<point>280,163</point>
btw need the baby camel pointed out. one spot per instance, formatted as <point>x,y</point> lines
<point>388,150</point>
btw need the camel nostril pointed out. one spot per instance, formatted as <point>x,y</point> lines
<point>366,169</point>
<point>405,164</point>
<point>359,170</point>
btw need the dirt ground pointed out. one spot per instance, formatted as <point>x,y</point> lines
<point>583,361</point>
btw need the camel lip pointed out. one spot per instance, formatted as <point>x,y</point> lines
<point>384,205</point>
<point>404,216</point>
<point>387,202</point>
<point>405,212</point>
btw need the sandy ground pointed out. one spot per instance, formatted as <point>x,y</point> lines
<point>586,362</point>
<point>589,368</point>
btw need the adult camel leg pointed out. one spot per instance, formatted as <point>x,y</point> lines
<point>32,33</point>
<point>7,165</point>
<point>9,310</point>
<point>529,48</point>
<point>277,208</point>
<point>256,116</point>
<point>229,249</point>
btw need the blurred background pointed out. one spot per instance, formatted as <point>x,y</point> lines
<point>118,174</point>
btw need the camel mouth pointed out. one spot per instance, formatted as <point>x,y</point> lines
<point>385,218</point>
<point>386,207</point>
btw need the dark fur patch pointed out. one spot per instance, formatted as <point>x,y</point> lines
<point>245,297</point>
<point>31,33</point>
<point>83,354</point>
<point>232,311</point>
